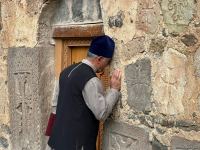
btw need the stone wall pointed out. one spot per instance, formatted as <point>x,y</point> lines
<point>157,49</point>
<point>158,53</point>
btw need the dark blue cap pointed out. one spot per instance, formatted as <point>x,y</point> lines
<point>102,46</point>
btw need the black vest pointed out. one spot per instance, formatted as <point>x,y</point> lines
<point>75,125</point>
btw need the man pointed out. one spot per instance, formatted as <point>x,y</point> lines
<point>81,100</point>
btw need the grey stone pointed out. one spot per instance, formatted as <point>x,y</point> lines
<point>177,14</point>
<point>187,125</point>
<point>25,107</point>
<point>68,11</point>
<point>116,21</point>
<point>5,128</point>
<point>156,145</point>
<point>77,10</point>
<point>197,66</point>
<point>179,143</point>
<point>3,142</point>
<point>121,136</point>
<point>189,40</point>
<point>138,79</point>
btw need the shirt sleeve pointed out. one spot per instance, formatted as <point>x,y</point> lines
<point>98,102</point>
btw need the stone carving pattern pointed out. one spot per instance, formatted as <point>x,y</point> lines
<point>77,11</point>
<point>178,12</point>
<point>177,7</point>
<point>25,121</point>
<point>122,142</point>
<point>139,84</point>
<point>170,82</point>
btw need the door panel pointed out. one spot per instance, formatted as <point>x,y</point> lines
<point>78,53</point>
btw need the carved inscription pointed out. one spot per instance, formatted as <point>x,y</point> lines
<point>138,78</point>
<point>177,7</point>
<point>122,136</point>
<point>24,97</point>
<point>122,142</point>
<point>177,13</point>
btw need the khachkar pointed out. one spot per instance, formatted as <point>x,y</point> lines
<point>24,99</point>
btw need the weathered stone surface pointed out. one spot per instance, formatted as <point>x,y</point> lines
<point>4,114</point>
<point>196,62</point>
<point>21,23</point>
<point>179,143</point>
<point>187,125</point>
<point>147,20</point>
<point>69,11</point>
<point>189,40</point>
<point>24,98</point>
<point>169,82</point>
<point>132,48</point>
<point>177,14</point>
<point>116,21</point>
<point>77,10</point>
<point>5,129</point>
<point>121,136</point>
<point>110,8</point>
<point>3,142</point>
<point>157,45</point>
<point>1,25</point>
<point>156,145</point>
<point>146,4</point>
<point>138,79</point>
<point>46,86</point>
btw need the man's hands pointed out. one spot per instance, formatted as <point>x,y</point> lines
<point>115,81</point>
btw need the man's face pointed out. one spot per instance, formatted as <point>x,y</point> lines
<point>103,62</point>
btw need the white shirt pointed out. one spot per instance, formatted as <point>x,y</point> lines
<point>98,102</point>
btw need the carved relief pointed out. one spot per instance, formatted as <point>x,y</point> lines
<point>169,82</point>
<point>122,136</point>
<point>177,13</point>
<point>122,142</point>
<point>77,11</point>
<point>138,78</point>
<point>177,7</point>
<point>23,91</point>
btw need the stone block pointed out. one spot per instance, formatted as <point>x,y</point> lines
<point>196,62</point>
<point>116,21</point>
<point>3,143</point>
<point>1,24</point>
<point>169,82</point>
<point>179,143</point>
<point>177,14</point>
<point>146,4</point>
<point>189,40</point>
<point>132,48</point>
<point>25,107</point>
<point>77,11</point>
<point>121,136</point>
<point>156,145</point>
<point>138,80</point>
<point>157,45</point>
<point>147,21</point>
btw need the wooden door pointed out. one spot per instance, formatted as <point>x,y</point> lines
<point>72,54</point>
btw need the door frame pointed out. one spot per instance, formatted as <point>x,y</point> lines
<point>72,35</point>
